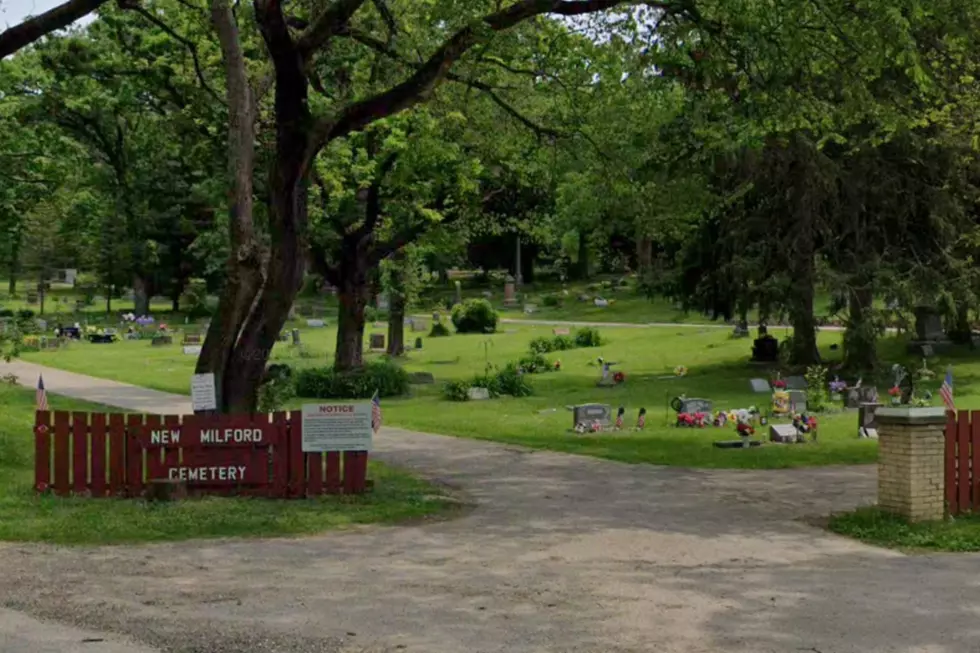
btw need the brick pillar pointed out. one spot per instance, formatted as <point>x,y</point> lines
<point>911,450</point>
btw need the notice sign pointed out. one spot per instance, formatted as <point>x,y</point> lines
<point>203,396</point>
<point>337,427</point>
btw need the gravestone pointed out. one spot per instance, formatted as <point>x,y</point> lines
<point>590,413</point>
<point>419,326</point>
<point>562,331</point>
<point>377,341</point>
<point>478,394</point>
<point>418,343</point>
<point>693,405</point>
<point>383,302</point>
<point>783,433</point>
<point>928,324</point>
<point>191,339</point>
<point>741,330</point>
<point>510,291</point>
<point>867,416</point>
<point>315,324</point>
<point>162,339</point>
<point>31,297</point>
<point>421,378</point>
<point>797,401</point>
<point>295,337</point>
<point>796,383</point>
<point>760,386</point>
<point>765,349</point>
<point>853,398</point>
<point>192,350</point>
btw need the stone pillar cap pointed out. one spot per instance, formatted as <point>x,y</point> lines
<point>910,415</point>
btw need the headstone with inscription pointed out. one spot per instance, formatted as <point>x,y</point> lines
<point>591,413</point>
<point>782,433</point>
<point>691,405</point>
<point>797,401</point>
<point>510,291</point>
<point>377,341</point>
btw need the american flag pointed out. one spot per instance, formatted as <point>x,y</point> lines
<point>376,412</point>
<point>947,390</point>
<point>41,396</point>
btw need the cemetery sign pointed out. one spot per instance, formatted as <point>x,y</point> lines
<point>337,427</point>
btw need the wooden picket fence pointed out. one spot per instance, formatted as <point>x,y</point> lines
<point>963,462</point>
<point>113,455</point>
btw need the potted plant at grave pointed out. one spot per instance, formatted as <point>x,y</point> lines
<point>837,388</point>
<point>896,394</point>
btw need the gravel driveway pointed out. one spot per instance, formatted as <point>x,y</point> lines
<point>560,554</point>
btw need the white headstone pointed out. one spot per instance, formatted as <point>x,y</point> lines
<point>203,395</point>
<point>192,350</point>
<point>782,433</point>
<point>315,323</point>
<point>760,385</point>
<point>478,394</point>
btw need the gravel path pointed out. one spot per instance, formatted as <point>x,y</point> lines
<point>561,554</point>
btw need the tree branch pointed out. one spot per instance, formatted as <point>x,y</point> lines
<point>32,29</point>
<point>430,73</point>
<point>331,21</point>
<point>191,47</point>
<point>406,237</point>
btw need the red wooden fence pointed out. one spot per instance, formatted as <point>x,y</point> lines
<point>963,462</point>
<point>102,455</point>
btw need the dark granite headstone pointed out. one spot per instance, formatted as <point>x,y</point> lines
<point>418,343</point>
<point>162,339</point>
<point>295,337</point>
<point>377,341</point>
<point>589,413</point>
<point>692,406</point>
<point>796,383</point>
<point>765,350</point>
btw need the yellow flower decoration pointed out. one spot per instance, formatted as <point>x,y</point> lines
<point>680,370</point>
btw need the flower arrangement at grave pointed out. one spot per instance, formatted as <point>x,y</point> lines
<point>778,384</point>
<point>837,389</point>
<point>557,365</point>
<point>685,419</point>
<point>924,374</point>
<point>618,378</point>
<point>744,429</point>
<point>896,394</point>
<point>721,419</point>
<point>701,420</point>
<point>680,370</point>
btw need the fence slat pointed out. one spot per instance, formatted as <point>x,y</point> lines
<point>360,471</point>
<point>314,467</point>
<point>61,455</point>
<point>134,456</point>
<point>117,454</point>
<point>280,455</point>
<point>42,450</point>
<point>333,472</point>
<point>98,436</point>
<point>172,456</point>
<point>952,497</point>
<point>975,459</point>
<point>79,452</point>
<point>297,471</point>
<point>963,460</point>
<point>353,473</point>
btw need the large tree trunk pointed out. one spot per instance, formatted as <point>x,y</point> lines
<point>244,266</point>
<point>353,292</point>
<point>644,257</point>
<point>396,326</point>
<point>582,268</point>
<point>141,295</point>
<point>860,338</point>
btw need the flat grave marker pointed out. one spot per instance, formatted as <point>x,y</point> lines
<point>316,324</point>
<point>783,433</point>
<point>478,394</point>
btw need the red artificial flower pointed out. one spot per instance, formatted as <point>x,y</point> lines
<point>779,384</point>
<point>619,377</point>
<point>895,391</point>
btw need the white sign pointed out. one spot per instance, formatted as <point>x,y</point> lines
<point>337,427</point>
<point>192,349</point>
<point>314,323</point>
<point>203,396</point>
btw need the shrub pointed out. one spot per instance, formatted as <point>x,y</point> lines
<point>371,314</point>
<point>551,300</point>
<point>194,301</point>
<point>534,364</point>
<point>563,343</point>
<point>25,314</point>
<point>385,377</point>
<point>587,337</point>
<point>488,380</point>
<point>277,388</point>
<point>511,382</point>
<point>439,330</point>
<point>474,316</point>
<point>6,312</point>
<point>542,345</point>
<point>456,391</point>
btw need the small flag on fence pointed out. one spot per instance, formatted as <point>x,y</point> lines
<point>375,412</point>
<point>947,390</point>
<point>41,396</point>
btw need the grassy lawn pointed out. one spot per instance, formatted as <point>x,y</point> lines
<point>27,517</point>
<point>875,527</point>
<point>718,370</point>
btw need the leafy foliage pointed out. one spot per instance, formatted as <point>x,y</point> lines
<point>474,316</point>
<point>384,377</point>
